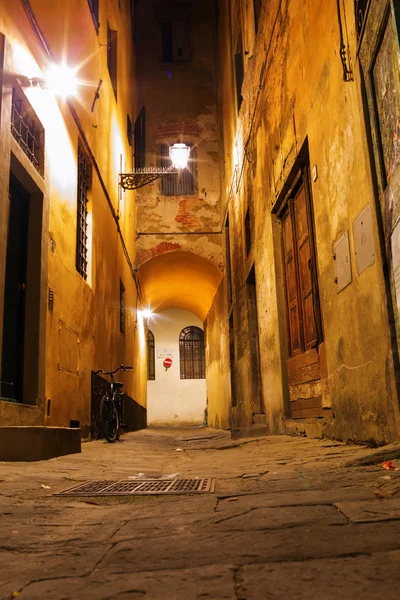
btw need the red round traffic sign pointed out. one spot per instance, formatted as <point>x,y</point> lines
<point>167,363</point>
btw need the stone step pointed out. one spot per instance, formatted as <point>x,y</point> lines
<point>38,443</point>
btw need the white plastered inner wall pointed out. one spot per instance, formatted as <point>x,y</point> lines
<point>173,401</point>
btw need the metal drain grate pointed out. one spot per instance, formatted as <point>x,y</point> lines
<point>141,487</point>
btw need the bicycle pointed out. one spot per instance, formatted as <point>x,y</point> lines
<point>111,406</point>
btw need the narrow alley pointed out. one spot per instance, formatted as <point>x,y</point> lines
<point>289,517</point>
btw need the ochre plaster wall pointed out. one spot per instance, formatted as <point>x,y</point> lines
<point>294,91</point>
<point>84,324</point>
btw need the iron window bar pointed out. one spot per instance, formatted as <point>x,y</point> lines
<point>141,177</point>
<point>191,353</point>
<point>82,213</point>
<point>23,130</point>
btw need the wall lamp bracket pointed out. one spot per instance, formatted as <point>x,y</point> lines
<point>141,177</point>
<point>179,155</point>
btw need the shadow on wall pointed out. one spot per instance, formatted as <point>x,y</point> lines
<point>135,415</point>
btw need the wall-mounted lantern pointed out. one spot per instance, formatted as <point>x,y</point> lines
<point>179,155</point>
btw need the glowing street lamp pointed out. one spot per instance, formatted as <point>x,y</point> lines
<point>61,80</point>
<point>179,155</point>
<point>147,313</point>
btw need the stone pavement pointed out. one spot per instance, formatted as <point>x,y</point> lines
<point>289,518</point>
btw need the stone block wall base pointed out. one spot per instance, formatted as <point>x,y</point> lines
<point>255,430</point>
<point>38,443</point>
<point>313,428</point>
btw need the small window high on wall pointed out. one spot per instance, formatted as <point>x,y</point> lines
<point>151,362</point>
<point>191,353</point>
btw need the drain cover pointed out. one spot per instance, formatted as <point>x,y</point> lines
<point>141,487</point>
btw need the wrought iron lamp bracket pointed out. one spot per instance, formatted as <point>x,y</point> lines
<point>141,177</point>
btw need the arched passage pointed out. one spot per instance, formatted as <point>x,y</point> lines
<point>179,280</point>
<point>179,288</point>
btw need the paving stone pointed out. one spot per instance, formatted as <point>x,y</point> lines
<point>215,581</point>
<point>355,578</point>
<point>190,546</point>
<point>368,512</point>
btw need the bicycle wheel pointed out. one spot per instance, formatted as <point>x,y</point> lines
<point>109,418</point>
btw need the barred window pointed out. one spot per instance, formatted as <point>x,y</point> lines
<point>84,172</point>
<point>151,362</point>
<point>94,9</point>
<point>27,130</point>
<point>191,353</point>
<point>178,184</point>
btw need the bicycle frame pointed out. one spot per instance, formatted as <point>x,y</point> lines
<point>111,407</point>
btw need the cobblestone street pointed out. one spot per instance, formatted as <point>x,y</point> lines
<point>290,517</point>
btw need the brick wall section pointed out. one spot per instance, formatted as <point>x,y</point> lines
<point>147,253</point>
<point>186,215</point>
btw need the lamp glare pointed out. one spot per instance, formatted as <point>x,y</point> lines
<point>61,80</point>
<point>179,155</point>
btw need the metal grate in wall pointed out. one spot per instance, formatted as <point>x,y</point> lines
<point>192,353</point>
<point>82,213</point>
<point>141,487</point>
<point>27,130</point>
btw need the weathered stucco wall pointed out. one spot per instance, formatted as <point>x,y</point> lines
<point>217,362</point>
<point>179,97</point>
<point>294,92</point>
<point>81,330</point>
<point>172,401</point>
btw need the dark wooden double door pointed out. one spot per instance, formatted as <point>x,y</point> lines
<point>302,297</point>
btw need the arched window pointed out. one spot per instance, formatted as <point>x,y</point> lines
<point>191,353</point>
<point>151,363</point>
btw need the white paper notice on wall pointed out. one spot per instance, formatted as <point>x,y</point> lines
<point>165,353</point>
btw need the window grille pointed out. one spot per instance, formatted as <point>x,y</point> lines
<point>178,184</point>
<point>191,353</point>
<point>82,212</point>
<point>94,9</point>
<point>27,130</point>
<point>121,307</point>
<point>151,362</point>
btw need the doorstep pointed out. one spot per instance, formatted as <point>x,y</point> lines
<point>38,443</point>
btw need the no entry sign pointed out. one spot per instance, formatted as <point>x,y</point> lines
<point>167,363</point>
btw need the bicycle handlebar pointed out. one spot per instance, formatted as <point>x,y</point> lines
<point>121,368</point>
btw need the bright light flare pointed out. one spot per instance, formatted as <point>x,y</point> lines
<point>179,155</point>
<point>147,313</point>
<point>61,80</point>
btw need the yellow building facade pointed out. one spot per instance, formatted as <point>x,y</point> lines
<point>309,95</point>
<point>68,289</point>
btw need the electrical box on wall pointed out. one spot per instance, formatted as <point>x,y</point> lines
<point>341,252</point>
<point>364,240</point>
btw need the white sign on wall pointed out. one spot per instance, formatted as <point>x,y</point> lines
<point>165,353</point>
